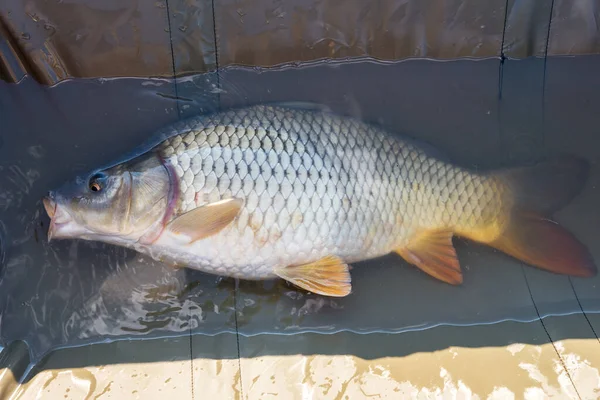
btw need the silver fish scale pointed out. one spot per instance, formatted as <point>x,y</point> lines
<point>315,184</point>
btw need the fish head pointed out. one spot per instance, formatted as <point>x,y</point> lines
<point>120,203</point>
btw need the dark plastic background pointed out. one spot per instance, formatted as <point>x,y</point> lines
<point>86,82</point>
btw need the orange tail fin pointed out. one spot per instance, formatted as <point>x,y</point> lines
<point>544,244</point>
<point>530,236</point>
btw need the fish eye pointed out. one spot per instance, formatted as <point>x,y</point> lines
<point>95,183</point>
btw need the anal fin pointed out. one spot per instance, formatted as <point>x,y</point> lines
<point>328,276</point>
<point>434,253</point>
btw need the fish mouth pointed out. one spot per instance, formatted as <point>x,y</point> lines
<point>50,206</point>
<point>59,219</point>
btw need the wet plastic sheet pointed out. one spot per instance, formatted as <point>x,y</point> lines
<point>54,40</point>
<point>69,292</point>
<point>481,113</point>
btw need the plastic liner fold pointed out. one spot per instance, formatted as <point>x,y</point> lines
<point>56,40</point>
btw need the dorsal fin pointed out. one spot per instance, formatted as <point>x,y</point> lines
<point>302,105</point>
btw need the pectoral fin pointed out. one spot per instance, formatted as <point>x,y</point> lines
<point>433,253</point>
<point>207,220</point>
<point>328,276</point>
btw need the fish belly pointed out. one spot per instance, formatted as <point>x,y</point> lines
<point>313,185</point>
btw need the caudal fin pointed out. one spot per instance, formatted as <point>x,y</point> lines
<point>530,235</point>
<point>545,244</point>
<point>547,186</point>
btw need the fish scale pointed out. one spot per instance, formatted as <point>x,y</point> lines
<point>297,193</point>
<point>314,184</point>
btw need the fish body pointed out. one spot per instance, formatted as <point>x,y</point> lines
<point>313,184</point>
<point>299,193</point>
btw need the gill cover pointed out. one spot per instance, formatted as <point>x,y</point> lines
<point>124,201</point>
<point>150,195</point>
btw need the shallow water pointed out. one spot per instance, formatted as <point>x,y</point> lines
<point>480,113</point>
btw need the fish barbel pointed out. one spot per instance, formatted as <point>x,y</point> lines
<point>299,193</point>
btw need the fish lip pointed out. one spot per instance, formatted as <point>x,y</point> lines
<point>49,206</point>
<point>53,230</point>
<point>57,229</point>
<point>59,218</point>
